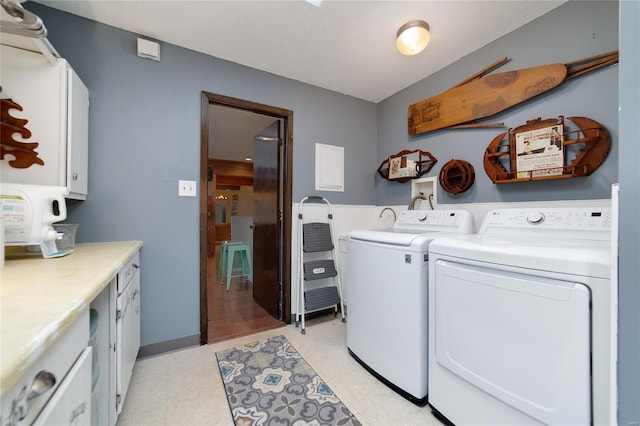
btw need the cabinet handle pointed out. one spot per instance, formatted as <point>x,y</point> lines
<point>42,383</point>
<point>75,176</point>
<point>135,266</point>
<point>20,406</point>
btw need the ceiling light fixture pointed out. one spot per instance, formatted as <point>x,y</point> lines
<point>413,37</point>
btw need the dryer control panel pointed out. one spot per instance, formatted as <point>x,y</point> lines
<point>581,223</point>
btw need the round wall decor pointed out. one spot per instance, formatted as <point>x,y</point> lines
<point>457,176</point>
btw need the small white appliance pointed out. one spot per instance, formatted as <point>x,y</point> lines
<point>520,320</point>
<point>28,212</point>
<point>387,276</point>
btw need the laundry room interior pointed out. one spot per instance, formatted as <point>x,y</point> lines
<point>445,237</point>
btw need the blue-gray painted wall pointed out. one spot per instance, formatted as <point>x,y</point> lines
<point>629,239</point>
<point>574,30</point>
<point>144,135</point>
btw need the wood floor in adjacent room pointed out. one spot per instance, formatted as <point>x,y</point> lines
<point>233,313</point>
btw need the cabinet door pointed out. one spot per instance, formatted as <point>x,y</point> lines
<point>105,391</point>
<point>55,104</point>
<point>127,336</point>
<point>71,404</point>
<point>40,90</point>
<point>58,360</point>
<point>77,170</point>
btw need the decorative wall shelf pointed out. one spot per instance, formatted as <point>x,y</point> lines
<point>582,151</point>
<point>457,176</point>
<point>423,161</point>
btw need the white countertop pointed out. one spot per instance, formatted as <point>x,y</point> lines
<point>40,298</point>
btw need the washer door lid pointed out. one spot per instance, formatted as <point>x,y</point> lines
<point>388,237</point>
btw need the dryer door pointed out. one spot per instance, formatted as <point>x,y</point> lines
<point>521,338</point>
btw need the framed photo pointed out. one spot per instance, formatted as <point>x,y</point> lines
<point>539,152</point>
<point>395,165</point>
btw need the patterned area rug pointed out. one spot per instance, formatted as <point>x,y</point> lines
<point>269,383</point>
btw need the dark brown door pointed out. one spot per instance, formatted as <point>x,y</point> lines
<point>266,214</point>
<point>211,217</point>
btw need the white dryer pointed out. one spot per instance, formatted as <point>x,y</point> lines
<point>387,285</point>
<point>520,320</point>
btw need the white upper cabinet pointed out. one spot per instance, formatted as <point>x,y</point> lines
<point>45,122</point>
<point>77,136</point>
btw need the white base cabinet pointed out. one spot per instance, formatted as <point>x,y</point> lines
<point>70,334</point>
<point>117,341</point>
<point>57,386</point>
<point>127,327</point>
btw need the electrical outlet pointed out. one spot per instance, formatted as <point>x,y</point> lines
<point>187,188</point>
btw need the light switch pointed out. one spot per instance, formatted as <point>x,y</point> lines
<point>187,188</point>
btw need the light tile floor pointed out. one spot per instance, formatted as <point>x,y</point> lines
<point>185,388</point>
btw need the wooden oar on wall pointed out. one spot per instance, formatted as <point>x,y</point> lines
<point>479,97</point>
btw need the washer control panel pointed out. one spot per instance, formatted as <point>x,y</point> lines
<point>458,220</point>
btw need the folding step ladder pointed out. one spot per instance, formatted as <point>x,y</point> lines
<point>317,262</point>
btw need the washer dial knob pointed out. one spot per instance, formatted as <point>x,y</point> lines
<point>535,218</point>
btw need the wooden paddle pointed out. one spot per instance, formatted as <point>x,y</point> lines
<point>483,97</point>
<point>478,97</point>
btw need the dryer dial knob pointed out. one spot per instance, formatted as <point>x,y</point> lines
<point>535,218</point>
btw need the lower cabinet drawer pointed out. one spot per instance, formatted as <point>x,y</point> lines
<point>24,401</point>
<point>127,272</point>
<point>71,403</point>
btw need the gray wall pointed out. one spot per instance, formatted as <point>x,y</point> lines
<point>144,135</point>
<point>629,251</point>
<point>573,31</point>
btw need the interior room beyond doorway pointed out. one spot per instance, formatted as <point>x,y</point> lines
<point>246,153</point>
<point>233,312</point>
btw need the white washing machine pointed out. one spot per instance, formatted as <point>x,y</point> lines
<point>387,284</point>
<point>519,320</point>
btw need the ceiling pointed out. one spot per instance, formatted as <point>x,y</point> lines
<point>232,131</point>
<point>344,46</point>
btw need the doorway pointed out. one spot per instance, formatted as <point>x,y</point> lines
<point>265,301</point>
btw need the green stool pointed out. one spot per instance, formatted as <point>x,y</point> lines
<point>223,256</point>
<point>244,257</point>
